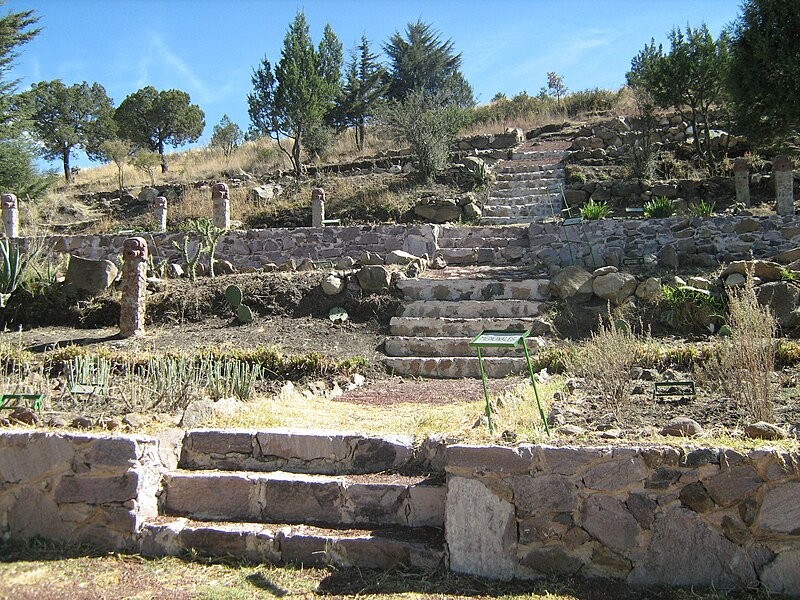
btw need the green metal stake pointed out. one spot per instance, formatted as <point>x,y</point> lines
<point>535,389</point>
<point>485,391</point>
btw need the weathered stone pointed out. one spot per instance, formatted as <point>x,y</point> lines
<point>609,563</point>
<point>763,269</point>
<point>608,520</point>
<point>684,551</point>
<point>197,413</point>
<point>437,213</point>
<point>400,257</point>
<point>615,474</point>
<point>374,278</point>
<point>134,287</point>
<point>502,460</point>
<point>24,415</point>
<point>616,287</point>
<point>569,461</point>
<point>782,575</point>
<point>551,561</point>
<point>220,202</point>
<point>662,478</point>
<point>682,427</point>
<point>223,497</point>
<point>780,509</point>
<point>765,431</point>
<point>572,281</point>
<point>735,531</point>
<point>668,257</point>
<point>92,276</point>
<point>649,290</point>
<point>732,485</point>
<point>700,457</point>
<point>294,498</point>
<point>696,497</point>
<point>215,540</point>
<point>543,494</point>
<point>642,508</point>
<point>782,299</point>
<point>735,280</point>
<point>97,490</point>
<point>29,456</point>
<point>481,530</point>
<point>333,285</point>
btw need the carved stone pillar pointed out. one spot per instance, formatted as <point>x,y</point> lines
<point>160,213</point>
<point>222,210</point>
<point>317,207</point>
<point>784,191</point>
<point>134,287</point>
<point>8,204</point>
<point>741,177</point>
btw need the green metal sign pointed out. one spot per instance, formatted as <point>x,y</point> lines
<point>504,339</point>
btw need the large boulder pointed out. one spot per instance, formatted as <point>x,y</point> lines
<point>763,269</point>
<point>148,195</point>
<point>572,282</point>
<point>438,213</point>
<point>782,298</point>
<point>90,275</point>
<point>616,287</point>
<point>374,278</point>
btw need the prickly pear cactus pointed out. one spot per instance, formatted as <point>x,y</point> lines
<point>233,295</point>
<point>244,314</point>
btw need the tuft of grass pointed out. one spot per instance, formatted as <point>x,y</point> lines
<point>659,207</point>
<point>702,209</point>
<point>593,211</point>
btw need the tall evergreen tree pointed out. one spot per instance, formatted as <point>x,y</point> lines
<point>15,31</point>
<point>300,93</point>
<point>765,69</point>
<point>363,89</point>
<point>151,120</point>
<point>64,119</point>
<point>421,61</point>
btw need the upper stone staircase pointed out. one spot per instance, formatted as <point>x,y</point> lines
<point>446,309</point>
<point>526,186</point>
<point>315,498</point>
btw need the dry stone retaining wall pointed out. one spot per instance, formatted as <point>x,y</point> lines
<point>698,241</point>
<point>97,489</point>
<point>648,516</point>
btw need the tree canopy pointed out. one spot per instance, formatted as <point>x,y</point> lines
<point>227,136</point>
<point>421,61</point>
<point>765,69</point>
<point>690,78</point>
<point>363,89</point>
<point>153,120</point>
<point>297,97</point>
<point>66,118</point>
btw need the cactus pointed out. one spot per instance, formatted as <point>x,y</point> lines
<point>233,295</point>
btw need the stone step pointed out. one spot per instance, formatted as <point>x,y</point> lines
<point>454,367</point>
<point>279,497</point>
<point>383,548</point>
<point>449,326</point>
<point>450,347</point>
<point>299,451</point>
<point>512,167</point>
<point>455,232</point>
<point>482,256</point>
<point>510,220</point>
<point>533,175</point>
<point>543,199</point>
<point>474,289</point>
<point>521,211</point>
<point>540,155</point>
<point>488,242</point>
<point>521,188</point>
<point>472,309</point>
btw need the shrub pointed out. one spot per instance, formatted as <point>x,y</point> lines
<point>702,209</point>
<point>690,308</point>
<point>605,362</point>
<point>592,211</point>
<point>658,208</point>
<point>747,357</point>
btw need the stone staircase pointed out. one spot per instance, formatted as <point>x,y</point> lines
<point>523,191</point>
<point>483,245</point>
<point>286,496</point>
<point>446,309</point>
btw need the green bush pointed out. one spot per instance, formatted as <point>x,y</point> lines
<point>658,208</point>
<point>592,211</point>
<point>702,209</point>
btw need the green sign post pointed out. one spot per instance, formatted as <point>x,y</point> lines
<point>504,339</point>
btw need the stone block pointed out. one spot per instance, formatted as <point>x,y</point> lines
<point>609,521</point>
<point>215,540</point>
<point>295,499</point>
<point>733,485</point>
<point>569,461</point>
<point>207,496</point>
<point>499,459</point>
<point>544,494</point>
<point>481,530</point>
<point>551,561</point>
<point>782,575</point>
<point>97,490</point>
<point>29,456</point>
<point>35,513</point>
<point>615,474</point>
<point>780,509</point>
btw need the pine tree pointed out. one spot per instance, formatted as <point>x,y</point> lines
<point>363,89</point>
<point>299,95</point>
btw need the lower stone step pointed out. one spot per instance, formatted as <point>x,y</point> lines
<point>367,500</point>
<point>300,451</point>
<point>449,326</point>
<point>474,289</point>
<point>382,548</point>
<point>450,346</point>
<point>454,367</point>
<point>472,309</point>
<point>536,210</point>
<point>510,220</point>
<point>482,256</point>
<point>538,199</point>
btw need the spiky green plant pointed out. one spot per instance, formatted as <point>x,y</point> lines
<point>658,208</point>
<point>702,209</point>
<point>12,269</point>
<point>593,211</point>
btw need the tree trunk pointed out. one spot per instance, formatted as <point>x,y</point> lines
<point>164,167</point>
<point>67,171</point>
<point>296,149</point>
<point>361,135</point>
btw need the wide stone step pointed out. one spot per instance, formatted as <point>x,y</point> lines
<point>299,498</point>
<point>450,346</point>
<point>299,451</point>
<point>448,326</point>
<point>489,242</point>
<point>519,211</point>
<point>482,256</point>
<point>382,548</point>
<point>454,367</point>
<point>536,199</point>
<point>528,175</point>
<point>459,233</point>
<point>472,309</point>
<point>521,188</point>
<point>474,289</point>
<point>540,155</point>
<point>522,167</point>
<point>510,220</point>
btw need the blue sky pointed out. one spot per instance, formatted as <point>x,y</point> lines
<point>209,48</point>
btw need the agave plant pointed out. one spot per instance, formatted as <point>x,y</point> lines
<point>11,269</point>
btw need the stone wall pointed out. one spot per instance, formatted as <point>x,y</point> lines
<point>257,247</point>
<point>648,516</point>
<point>88,488</point>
